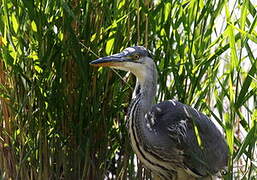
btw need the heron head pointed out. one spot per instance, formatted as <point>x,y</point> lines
<point>135,59</point>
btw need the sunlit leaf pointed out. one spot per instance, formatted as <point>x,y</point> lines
<point>15,23</point>
<point>34,26</point>
<point>110,43</point>
<point>167,9</point>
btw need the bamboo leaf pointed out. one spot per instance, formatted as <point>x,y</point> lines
<point>229,133</point>
<point>248,141</point>
<point>34,26</point>
<point>243,14</point>
<point>15,23</point>
<point>110,43</point>
<point>167,8</point>
<point>245,87</point>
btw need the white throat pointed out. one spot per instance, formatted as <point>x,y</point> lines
<point>146,86</point>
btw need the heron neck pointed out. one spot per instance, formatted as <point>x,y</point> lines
<point>143,98</point>
<point>145,90</point>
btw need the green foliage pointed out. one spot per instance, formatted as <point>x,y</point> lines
<point>62,119</point>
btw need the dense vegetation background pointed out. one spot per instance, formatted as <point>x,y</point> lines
<point>62,119</point>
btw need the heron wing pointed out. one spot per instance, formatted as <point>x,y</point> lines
<point>191,132</point>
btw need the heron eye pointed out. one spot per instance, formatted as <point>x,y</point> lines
<point>136,56</point>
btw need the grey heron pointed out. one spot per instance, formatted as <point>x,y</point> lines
<point>172,139</point>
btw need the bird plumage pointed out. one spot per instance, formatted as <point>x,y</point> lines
<point>177,122</point>
<point>172,139</point>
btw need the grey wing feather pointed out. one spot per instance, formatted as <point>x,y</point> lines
<point>178,125</point>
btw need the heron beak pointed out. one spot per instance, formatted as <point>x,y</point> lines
<point>115,60</point>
